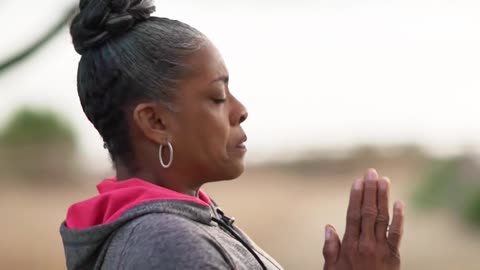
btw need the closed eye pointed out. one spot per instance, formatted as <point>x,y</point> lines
<point>219,100</point>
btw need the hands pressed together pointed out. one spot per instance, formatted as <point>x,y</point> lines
<point>369,242</point>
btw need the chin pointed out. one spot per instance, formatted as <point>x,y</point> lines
<point>235,175</point>
<point>233,171</point>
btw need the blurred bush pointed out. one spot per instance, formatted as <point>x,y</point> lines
<point>452,184</point>
<point>472,209</point>
<point>36,146</point>
<point>436,184</point>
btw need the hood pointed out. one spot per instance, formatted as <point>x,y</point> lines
<point>116,197</point>
<point>90,223</point>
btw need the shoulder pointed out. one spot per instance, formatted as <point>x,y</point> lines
<point>169,241</point>
<point>162,223</point>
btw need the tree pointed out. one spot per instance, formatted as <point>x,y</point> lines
<point>49,35</point>
<point>37,146</point>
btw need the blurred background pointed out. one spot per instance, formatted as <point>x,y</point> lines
<point>332,88</point>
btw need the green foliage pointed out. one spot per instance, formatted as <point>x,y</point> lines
<point>472,208</point>
<point>36,127</point>
<point>36,147</point>
<point>436,184</point>
<point>452,184</point>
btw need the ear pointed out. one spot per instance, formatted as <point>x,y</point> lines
<point>151,119</point>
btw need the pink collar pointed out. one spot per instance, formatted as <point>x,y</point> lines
<point>116,197</point>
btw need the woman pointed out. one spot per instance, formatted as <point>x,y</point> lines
<point>157,92</point>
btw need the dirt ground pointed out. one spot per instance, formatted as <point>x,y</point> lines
<point>284,213</point>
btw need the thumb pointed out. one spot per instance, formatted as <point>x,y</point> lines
<point>331,247</point>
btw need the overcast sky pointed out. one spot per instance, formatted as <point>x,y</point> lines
<point>312,73</point>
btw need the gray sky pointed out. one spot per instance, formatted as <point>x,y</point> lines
<point>311,73</point>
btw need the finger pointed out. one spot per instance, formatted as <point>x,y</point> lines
<point>369,205</point>
<point>383,216</point>
<point>395,232</point>
<point>331,247</point>
<point>352,229</point>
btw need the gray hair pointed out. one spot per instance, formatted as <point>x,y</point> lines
<point>127,57</point>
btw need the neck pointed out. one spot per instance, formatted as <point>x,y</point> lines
<point>178,184</point>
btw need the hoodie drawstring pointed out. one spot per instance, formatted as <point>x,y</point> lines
<point>226,223</point>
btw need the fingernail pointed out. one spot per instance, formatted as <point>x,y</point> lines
<point>358,185</point>
<point>372,174</point>
<point>399,208</point>
<point>328,233</point>
<point>382,185</point>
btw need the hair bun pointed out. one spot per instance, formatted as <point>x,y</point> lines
<point>99,20</point>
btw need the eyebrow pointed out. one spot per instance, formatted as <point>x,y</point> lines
<point>223,78</point>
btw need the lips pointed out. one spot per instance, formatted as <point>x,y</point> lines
<point>241,143</point>
<point>241,146</point>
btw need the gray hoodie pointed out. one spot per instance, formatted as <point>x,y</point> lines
<point>134,224</point>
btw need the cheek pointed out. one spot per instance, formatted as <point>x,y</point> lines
<point>216,133</point>
<point>205,141</point>
<point>206,134</point>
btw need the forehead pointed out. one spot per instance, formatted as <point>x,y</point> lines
<point>207,64</point>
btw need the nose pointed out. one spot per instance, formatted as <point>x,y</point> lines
<point>243,116</point>
<point>240,113</point>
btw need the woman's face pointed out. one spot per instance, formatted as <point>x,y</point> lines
<point>205,130</point>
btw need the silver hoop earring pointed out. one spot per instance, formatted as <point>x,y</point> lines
<point>170,158</point>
